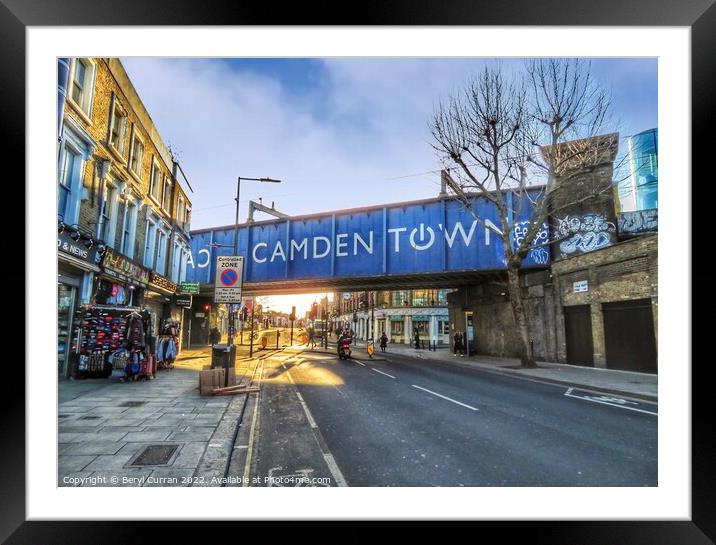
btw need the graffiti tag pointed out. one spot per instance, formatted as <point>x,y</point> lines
<point>584,233</point>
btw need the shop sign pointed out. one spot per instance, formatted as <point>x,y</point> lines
<point>77,249</point>
<point>183,300</point>
<point>122,267</point>
<point>582,285</point>
<point>189,287</point>
<point>162,282</point>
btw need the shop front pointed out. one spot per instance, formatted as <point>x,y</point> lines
<point>160,301</point>
<point>112,333</point>
<point>77,262</point>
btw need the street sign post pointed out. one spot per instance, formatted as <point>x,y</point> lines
<point>229,278</point>
<point>189,287</point>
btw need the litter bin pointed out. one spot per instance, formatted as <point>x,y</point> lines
<point>223,355</point>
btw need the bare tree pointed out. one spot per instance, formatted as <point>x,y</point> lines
<point>519,136</point>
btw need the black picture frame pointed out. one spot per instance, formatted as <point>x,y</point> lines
<point>699,15</point>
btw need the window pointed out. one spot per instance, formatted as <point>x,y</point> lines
<point>81,85</point>
<point>176,262</point>
<point>399,298</point>
<point>421,298</point>
<point>187,218</point>
<point>135,163</point>
<point>443,327</point>
<point>105,231</point>
<point>155,181</point>
<point>129,224</point>
<point>167,198</point>
<point>396,327</point>
<point>149,242</point>
<point>180,211</point>
<point>161,252</point>
<point>118,128</point>
<point>64,197</point>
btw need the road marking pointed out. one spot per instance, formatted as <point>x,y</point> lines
<point>444,397</point>
<point>359,363</point>
<point>611,401</point>
<point>381,372</point>
<point>249,451</point>
<point>335,471</point>
<point>327,456</point>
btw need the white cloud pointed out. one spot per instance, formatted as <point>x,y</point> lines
<point>337,146</point>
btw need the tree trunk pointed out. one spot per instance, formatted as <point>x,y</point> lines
<point>518,312</point>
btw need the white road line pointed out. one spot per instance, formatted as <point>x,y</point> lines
<point>568,394</point>
<point>444,397</point>
<point>327,456</point>
<point>333,466</point>
<point>359,363</point>
<point>381,372</point>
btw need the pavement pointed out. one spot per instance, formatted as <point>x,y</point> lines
<point>105,425</point>
<point>625,383</point>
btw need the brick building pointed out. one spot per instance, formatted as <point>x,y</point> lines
<point>596,304</point>
<point>123,214</point>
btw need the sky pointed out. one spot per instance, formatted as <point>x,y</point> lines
<point>338,132</point>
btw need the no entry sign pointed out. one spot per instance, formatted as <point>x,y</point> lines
<point>229,275</point>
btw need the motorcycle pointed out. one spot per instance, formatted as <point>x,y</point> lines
<point>344,349</point>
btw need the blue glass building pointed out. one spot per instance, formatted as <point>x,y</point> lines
<point>638,179</point>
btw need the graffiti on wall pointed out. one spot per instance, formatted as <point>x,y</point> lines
<point>641,221</point>
<point>539,254</point>
<point>584,233</point>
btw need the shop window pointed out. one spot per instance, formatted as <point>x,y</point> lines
<point>444,327</point>
<point>82,84</point>
<point>111,293</point>
<point>396,327</point>
<point>422,327</point>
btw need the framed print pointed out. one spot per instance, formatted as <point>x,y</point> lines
<point>413,256</point>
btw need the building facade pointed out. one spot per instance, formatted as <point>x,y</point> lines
<point>397,313</point>
<point>123,214</point>
<point>597,303</point>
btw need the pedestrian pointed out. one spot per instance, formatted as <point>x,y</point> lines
<point>383,341</point>
<point>312,338</point>
<point>417,339</point>
<point>457,343</point>
<point>215,335</point>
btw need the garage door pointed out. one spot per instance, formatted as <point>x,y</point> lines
<point>629,336</point>
<point>578,330</point>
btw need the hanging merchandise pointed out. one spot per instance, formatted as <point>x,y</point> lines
<point>111,341</point>
<point>167,344</point>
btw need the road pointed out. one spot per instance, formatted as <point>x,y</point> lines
<point>408,422</point>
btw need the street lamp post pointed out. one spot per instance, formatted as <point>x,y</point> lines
<point>236,244</point>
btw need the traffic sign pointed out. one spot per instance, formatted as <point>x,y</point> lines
<point>229,276</point>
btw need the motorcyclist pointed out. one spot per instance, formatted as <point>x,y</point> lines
<point>345,334</point>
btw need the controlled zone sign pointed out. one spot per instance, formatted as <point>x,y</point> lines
<point>229,277</point>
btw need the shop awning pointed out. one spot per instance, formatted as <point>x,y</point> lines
<point>421,318</point>
<point>76,262</point>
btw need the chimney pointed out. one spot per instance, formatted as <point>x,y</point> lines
<point>443,183</point>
